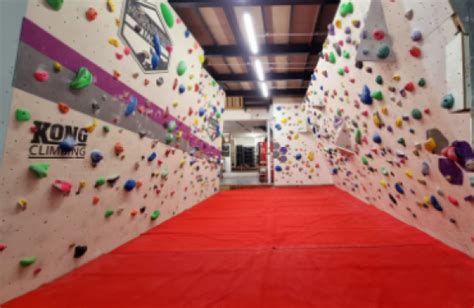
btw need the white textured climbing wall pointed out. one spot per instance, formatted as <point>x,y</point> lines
<point>297,160</point>
<point>114,128</point>
<point>387,125</point>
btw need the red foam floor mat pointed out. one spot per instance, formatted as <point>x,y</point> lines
<point>269,247</point>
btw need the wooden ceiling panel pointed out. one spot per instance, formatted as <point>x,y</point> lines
<point>303,21</point>
<point>192,18</point>
<point>279,19</point>
<point>218,64</point>
<point>233,85</point>
<point>257,17</point>
<point>325,18</point>
<point>237,65</point>
<point>216,21</point>
<point>297,63</point>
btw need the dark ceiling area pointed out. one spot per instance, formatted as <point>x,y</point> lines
<point>290,37</point>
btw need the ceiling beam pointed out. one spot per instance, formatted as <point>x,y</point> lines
<point>264,50</point>
<point>207,3</point>
<point>273,92</point>
<point>268,76</point>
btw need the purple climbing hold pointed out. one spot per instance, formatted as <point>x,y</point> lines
<point>465,155</point>
<point>416,36</point>
<point>450,170</point>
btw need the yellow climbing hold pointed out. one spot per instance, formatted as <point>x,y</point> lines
<point>376,119</point>
<point>179,135</point>
<point>383,183</point>
<point>399,122</point>
<point>384,110</point>
<point>409,174</point>
<point>430,145</point>
<point>310,156</point>
<point>91,127</point>
<point>175,104</point>
<point>426,200</point>
<point>296,136</point>
<point>111,6</point>
<point>22,203</point>
<point>396,77</point>
<point>182,163</point>
<point>338,24</point>
<point>57,66</point>
<point>202,59</point>
<point>114,42</point>
<point>284,120</point>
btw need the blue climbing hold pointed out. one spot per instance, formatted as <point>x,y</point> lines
<point>298,156</point>
<point>152,156</point>
<point>202,111</point>
<point>96,157</point>
<point>155,61</point>
<point>157,45</point>
<point>435,203</point>
<point>131,106</point>
<point>67,145</point>
<point>278,126</point>
<point>182,89</point>
<point>366,96</point>
<point>399,188</point>
<point>377,139</point>
<point>278,168</point>
<point>130,185</point>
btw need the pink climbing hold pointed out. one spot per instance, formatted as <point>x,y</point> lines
<point>41,75</point>
<point>63,186</point>
<point>3,247</point>
<point>126,50</point>
<point>453,201</point>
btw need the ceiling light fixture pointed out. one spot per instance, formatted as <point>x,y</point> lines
<point>264,89</point>
<point>252,38</point>
<point>259,70</point>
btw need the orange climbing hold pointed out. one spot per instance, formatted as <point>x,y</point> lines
<point>95,200</point>
<point>63,108</point>
<point>118,148</point>
<point>91,14</point>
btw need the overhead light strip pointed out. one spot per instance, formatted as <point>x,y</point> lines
<point>264,89</point>
<point>251,36</point>
<point>259,70</point>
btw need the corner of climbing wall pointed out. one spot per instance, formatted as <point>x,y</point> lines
<point>384,101</point>
<point>297,159</point>
<point>114,128</point>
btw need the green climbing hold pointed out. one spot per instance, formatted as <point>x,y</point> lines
<point>56,4</point>
<point>358,137</point>
<point>422,82</point>
<point>472,181</point>
<point>379,80</point>
<point>346,54</point>
<point>155,215</point>
<point>384,171</point>
<point>416,114</point>
<point>383,52</point>
<point>332,58</point>
<point>40,169</point>
<point>108,213</point>
<point>106,129</point>
<point>340,71</point>
<point>100,181</point>
<point>402,142</point>
<point>22,115</point>
<point>365,160</point>
<point>82,80</point>
<point>346,9</point>
<point>182,67</point>
<point>27,261</point>
<point>167,15</point>
<point>377,95</point>
<point>169,138</point>
<point>448,102</point>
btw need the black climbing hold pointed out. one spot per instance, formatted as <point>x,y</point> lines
<point>79,251</point>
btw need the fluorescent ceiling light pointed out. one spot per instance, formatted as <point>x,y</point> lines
<point>249,28</point>
<point>264,89</point>
<point>259,70</point>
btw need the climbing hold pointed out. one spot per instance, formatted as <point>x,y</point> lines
<point>41,75</point>
<point>376,138</point>
<point>63,108</point>
<point>155,60</point>
<point>416,36</point>
<point>346,9</point>
<point>451,172</point>
<point>154,215</point>
<point>377,120</point>
<point>332,58</point>
<point>95,200</point>
<point>453,201</point>
<point>167,15</point>
<point>169,138</point>
<point>430,145</point>
<point>383,52</point>
<point>118,148</point>
<point>22,203</point>
<point>366,96</point>
<point>378,35</point>
<point>448,102</point>
<point>130,185</point>
<point>91,14</point>
<point>82,79</point>
<point>40,169</point>
<point>67,145</point>
<point>409,14</point>
<point>96,157</point>
<point>111,6</point>
<point>379,80</point>
<point>425,168</point>
<point>131,106</point>
<point>358,136</point>
<point>399,188</point>
<point>182,67</point>
<point>108,213</point>
<point>152,157</point>
<point>365,160</point>
<point>22,115</point>
<point>56,4</point>
<point>422,83</point>
<point>416,114</point>
<point>415,52</point>
<point>409,173</point>
<point>3,246</point>
<point>28,261</point>
<point>79,251</point>
<point>435,203</point>
<point>377,95</point>
<point>62,186</point>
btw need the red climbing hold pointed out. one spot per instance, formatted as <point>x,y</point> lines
<point>410,87</point>
<point>63,186</point>
<point>3,247</point>
<point>118,148</point>
<point>453,201</point>
<point>41,75</point>
<point>378,35</point>
<point>91,14</point>
<point>415,52</point>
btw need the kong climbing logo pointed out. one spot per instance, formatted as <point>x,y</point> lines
<point>143,30</point>
<point>47,137</point>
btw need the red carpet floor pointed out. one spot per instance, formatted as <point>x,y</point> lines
<point>289,247</point>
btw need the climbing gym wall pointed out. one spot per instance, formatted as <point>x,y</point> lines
<point>297,160</point>
<point>114,128</point>
<point>386,101</point>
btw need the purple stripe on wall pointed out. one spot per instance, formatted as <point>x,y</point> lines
<point>53,48</point>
